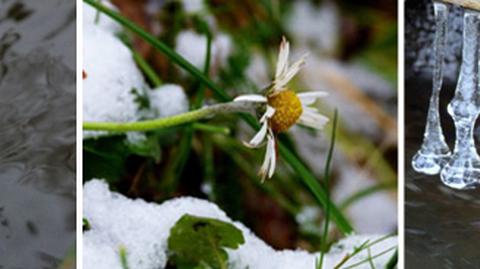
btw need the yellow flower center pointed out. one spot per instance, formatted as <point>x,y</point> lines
<point>288,109</point>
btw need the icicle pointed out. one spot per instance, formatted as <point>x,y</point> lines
<point>463,169</point>
<point>434,151</point>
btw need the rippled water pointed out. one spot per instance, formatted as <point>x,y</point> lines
<point>37,132</point>
<point>442,225</point>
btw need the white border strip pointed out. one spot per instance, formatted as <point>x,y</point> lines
<point>79,145</point>
<point>401,132</point>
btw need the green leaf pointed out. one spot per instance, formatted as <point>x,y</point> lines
<point>150,147</point>
<point>104,158</point>
<point>197,242</point>
<point>86,225</point>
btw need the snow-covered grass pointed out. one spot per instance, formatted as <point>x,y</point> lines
<point>143,229</point>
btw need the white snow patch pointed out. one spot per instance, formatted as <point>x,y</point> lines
<point>257,70</point>
<point>143,229</point>
<point>90,15</point>
<point>315,26</point>
<point>112,74</point>
<point>168,100</point>
<point>193,6</point>
<point>193,47</point>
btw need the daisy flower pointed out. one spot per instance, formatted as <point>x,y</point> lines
<point>283,108</point>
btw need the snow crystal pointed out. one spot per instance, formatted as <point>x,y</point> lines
<point>193,47</point>
<point>143,229</point>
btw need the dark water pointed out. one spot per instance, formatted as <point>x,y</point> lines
<point>37,132</point>
<point>442,225</point>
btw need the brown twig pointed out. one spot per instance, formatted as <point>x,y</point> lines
<point>471,4</point>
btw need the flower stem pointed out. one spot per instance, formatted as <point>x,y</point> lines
<point>167,122</point>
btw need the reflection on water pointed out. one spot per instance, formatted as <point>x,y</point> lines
<point>442,225</point>
<point>37,132</point>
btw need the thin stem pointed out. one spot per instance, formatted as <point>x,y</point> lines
<point>211,128</point>
<point>324,240</point>
<point>123,258</point>
<point>363,246</point>
<point>370,258</point>
<point>167,122</point>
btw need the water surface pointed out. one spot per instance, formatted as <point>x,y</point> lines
<point>37,132</point>
<point>442,225</point>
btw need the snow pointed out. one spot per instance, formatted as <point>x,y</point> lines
<point>193,6</point>
<point>257,70</point>
<point>143,229</point>
<point>90,15</point>
<point>168,100</point>
<point>112,74</point>
<point>193,47</point>
<point>317,27</point>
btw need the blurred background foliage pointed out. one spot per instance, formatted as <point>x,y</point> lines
<point>352,47</point>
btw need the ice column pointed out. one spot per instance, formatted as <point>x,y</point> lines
<point>434,151</point>
<point>463,169</point>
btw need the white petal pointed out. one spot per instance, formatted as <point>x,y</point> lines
<point>268,166</point>
<point>282,79</point>
<point>312,119</point>
<point>259,137</point>
<point>268,114</point>
<point>282,62</point>
<point>273,156</point>
<point>308,98</point>
<point>251,98</point>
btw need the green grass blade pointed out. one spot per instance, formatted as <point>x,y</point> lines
<point>365,192</point>
<point>308,178</point>
<point>392,263</point>
<point>313,185</point>
<point>147,69</point>
<point>324,240</point>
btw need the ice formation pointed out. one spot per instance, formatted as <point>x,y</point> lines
<point>420,33</point>
<point>434,150</point>
<point>463,168</point>
<point>143,228</point>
